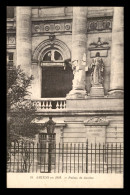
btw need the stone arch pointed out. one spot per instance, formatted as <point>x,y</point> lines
<point>41,49</point>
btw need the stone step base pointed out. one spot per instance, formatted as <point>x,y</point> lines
<point>97,92</point>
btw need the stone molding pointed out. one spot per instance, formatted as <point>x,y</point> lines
<point>48,44</point>
<point>94,24</point>
<point>116,93</point>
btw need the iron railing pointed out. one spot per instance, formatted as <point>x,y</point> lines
<point>65,158</point>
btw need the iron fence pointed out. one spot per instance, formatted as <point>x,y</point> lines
<point>65,158</point>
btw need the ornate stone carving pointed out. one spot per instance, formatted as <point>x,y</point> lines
<point>92,26</point>
<point>46,28</point>
<point>58,27</point>
<point>51,27</point>
<point>67,26</point>
<point>37,28</point>
<point>99,24</point>
<point>101,47</point>
<point>99,44</point>
<point>51,37</point>
<point>96,121</point>
<point>11,40</point>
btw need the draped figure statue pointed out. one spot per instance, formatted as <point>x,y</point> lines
<point>97,69</point>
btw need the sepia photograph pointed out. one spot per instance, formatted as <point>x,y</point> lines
<point>65,93</point>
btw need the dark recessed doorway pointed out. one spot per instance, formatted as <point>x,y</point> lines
<point>56,82</point>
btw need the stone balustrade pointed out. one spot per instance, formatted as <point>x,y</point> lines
<point>49,103</point>
<point>41,104</point>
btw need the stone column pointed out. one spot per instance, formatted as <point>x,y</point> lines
<point>117,55</point>
<point>23,38</point>
<point>79,43</point>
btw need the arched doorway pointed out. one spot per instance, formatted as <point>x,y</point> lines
<point>56,76</point>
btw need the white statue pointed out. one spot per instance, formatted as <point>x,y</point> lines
<point>79,73</point>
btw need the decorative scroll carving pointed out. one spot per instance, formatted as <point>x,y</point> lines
<point>101,47</point>
<point>99,44</point>
<point>96,121</point>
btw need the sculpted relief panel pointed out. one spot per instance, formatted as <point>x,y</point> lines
<point>93,25</point>
<point>104,24</point>
<point>11,39</point>
<point>51,27</point>
<point>96,130</point>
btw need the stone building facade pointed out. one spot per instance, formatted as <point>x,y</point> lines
<point>59,47</point>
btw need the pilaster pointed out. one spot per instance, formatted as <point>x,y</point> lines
<point>117,55</point>
<point>23,38</point>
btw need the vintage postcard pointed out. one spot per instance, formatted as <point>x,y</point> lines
<point>65,97</point>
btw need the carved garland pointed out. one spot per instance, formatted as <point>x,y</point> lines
<point>96,121</point>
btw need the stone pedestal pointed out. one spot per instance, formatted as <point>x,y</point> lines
<point>77,94</point>
<point>97,92</point>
